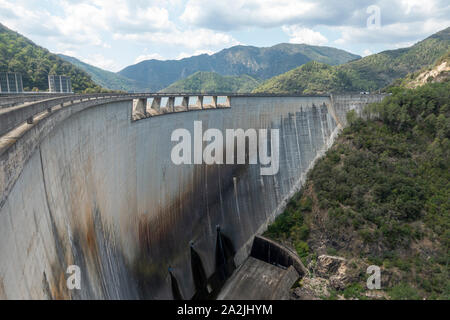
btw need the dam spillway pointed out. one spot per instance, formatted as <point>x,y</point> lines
<point>97,189</point>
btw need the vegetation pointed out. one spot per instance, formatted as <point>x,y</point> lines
<point>439,72</point>
<point>367,74</point>
<point>107,79</point>
<point>258,63</point>
<point>18,54</point>
<point>311,78</point>
<point>212,82</point>
<point>381,195</point>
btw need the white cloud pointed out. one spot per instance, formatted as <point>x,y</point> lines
<point>402,21</point>
<point>300,34</point>
<point>100,61</point>
<point>190,38</point>
<point>83,22</point>
<point>238,14</point>
<point>177,28</point>
<point>75,26</point>
<point>393,34</point>
<point>367,52</point>
<point>228,15</point>
<point>97,60</point>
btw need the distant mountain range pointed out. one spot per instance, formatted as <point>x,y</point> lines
<point>106,79</point>
<point>211,82</point>
<point>284,68</point>
<point>19,54</point>
<point>370,73</point>
<point>258,63</point>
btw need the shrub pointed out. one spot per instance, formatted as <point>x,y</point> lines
<point>302,249</point>
<point>403,291</point>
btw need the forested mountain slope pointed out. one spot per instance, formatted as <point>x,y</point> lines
<point>370,73</point>
<point>19,54</point>
<point>258,63</point>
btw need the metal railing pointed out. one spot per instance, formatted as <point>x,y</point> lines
<point>11,100</point>
<point>12,117</point>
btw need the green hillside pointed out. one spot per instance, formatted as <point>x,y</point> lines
<point>367,74</point>
<point>258,63</point>
<point>212,82</point>
<point>106,79</point>
<point>439,72</point>
<point>380,196</point>
<point>19,54</point>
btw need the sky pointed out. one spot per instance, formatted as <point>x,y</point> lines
<point>112,34</point>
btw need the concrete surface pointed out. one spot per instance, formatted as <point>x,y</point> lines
<point>272,252</point>
<point>89,186</point>
<point>259,280</point>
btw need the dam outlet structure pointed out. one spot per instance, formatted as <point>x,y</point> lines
<point>88,181</point>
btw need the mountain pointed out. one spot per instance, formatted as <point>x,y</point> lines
<point>106,79</point>
<point>19,54</point>
<point>259,63</point>
<point>439,72</point>
<point>313,77</point>
<point>367,74</point>
<point>211,82</point>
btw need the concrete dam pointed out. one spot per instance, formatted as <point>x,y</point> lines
<point>87,180</point>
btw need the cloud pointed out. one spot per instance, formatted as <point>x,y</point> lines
<point>394,34</point>
<point>190,38</point>
<point>367,52</point>
<point>240,14</point>
<point>132,17</point>
<point>176,28</point>
<point>100,61</point>
<point>299,34</point>
<point>402,21</point>
<point>78,27</point>
<point>233,15</point>
<point>82,22</point>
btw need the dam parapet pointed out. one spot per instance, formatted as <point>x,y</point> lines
<point>88,183</point>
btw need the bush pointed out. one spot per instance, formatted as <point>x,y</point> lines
<point>354,291</point>
<point>351,116</point>
<point>302,249</point>
<point>404,292</point>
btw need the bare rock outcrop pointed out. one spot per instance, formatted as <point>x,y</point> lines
<point>328,273</point>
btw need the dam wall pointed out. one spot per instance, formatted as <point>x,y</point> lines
<point>343,103</point>
<point>100,191</point>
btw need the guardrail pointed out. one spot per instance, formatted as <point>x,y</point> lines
<point>12,117</point>
<point>14,100</point>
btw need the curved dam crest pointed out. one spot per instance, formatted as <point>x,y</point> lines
<point>100,191</point>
